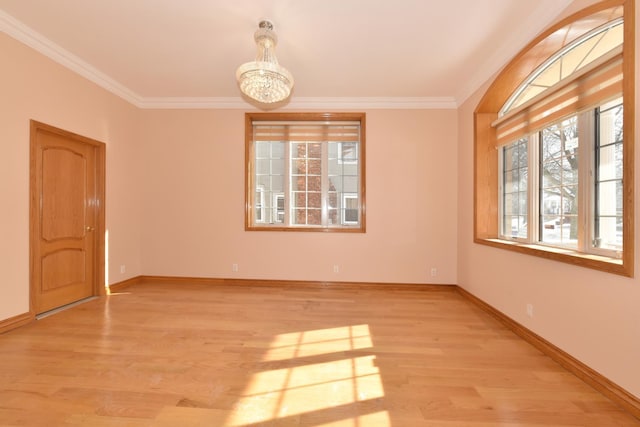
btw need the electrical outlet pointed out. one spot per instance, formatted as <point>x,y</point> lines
<point>234,268</point>
<point>530,310</point>
<point>434,272</point>
<point>123,269</point>
<point>336,268</point>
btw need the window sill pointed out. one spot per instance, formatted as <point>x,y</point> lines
<point>596,262</point>
<point>306,228</point>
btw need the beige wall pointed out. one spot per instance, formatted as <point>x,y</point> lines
<point>193,199</point>
<point>175,207</point>
<point>593,316</point>
<point>175,190</point>
<point>34,87</point>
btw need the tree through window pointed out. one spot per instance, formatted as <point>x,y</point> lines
<point>560,184</point>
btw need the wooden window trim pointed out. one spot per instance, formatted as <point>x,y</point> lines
<point>486,198</point>
<point>249,180</point>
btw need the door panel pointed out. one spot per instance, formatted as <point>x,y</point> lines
<point>63,268</point>
<point>65,217</point>
<point>64,192</point>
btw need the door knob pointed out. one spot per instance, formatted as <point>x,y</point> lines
<point>89,228</point>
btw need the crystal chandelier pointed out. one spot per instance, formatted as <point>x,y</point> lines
<point>264,80</point>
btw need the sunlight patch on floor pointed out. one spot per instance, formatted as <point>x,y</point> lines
<point>318,342</point>
<point>378,419</point>
<point>319,376</point>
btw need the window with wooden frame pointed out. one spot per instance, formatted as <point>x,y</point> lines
<point>554,139</point>
<point>305,171</point>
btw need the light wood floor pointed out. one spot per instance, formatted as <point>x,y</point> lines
<point>201,355</point>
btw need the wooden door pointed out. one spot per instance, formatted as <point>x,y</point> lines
<point>67,219</point>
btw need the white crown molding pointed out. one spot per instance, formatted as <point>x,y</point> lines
<point>38,42</point>
<point>302,103</point>
<point>394,103</point>
<point>193,103</point>
<point>41,44</point>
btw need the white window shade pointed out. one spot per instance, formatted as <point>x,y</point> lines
<point>307,167</point>
<point>301,131</point>
<point>586,89</point>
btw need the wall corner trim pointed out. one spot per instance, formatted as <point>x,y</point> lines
<point>116,287</point>
<point>596,380</point>
<point>16,321</point>
<point>120,286</point>
<point>599,382</point>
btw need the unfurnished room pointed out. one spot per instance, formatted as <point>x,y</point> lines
<point>354,213</point>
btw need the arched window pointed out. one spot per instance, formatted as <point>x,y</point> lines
<point>594,46</point>
<point>554,144</point>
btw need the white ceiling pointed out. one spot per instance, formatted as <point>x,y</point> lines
<point>172,53</point>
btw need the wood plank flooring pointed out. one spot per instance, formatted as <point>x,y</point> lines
<point>168,355</point>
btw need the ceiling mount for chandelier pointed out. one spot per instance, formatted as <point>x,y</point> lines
<point>264,80</point>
